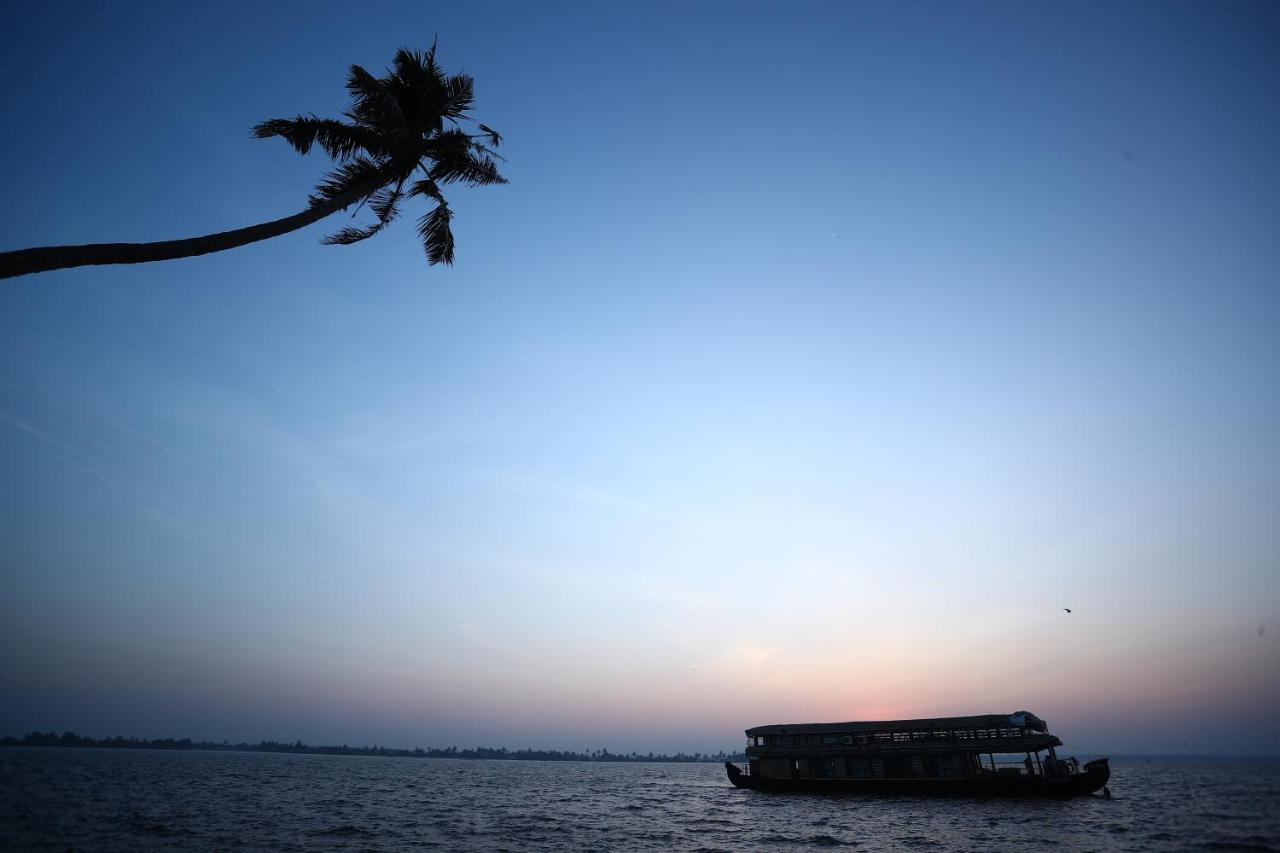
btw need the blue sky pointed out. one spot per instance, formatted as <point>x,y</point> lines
<point>815,358</point>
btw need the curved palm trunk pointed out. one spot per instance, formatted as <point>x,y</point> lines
<point>26,261</point>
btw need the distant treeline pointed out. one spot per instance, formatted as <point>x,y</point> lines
<point>71,739</point>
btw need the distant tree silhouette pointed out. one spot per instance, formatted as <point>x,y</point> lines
<point>71,739</point>
<point>408,121</point>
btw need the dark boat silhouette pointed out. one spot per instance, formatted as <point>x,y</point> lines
<point>946,756</point>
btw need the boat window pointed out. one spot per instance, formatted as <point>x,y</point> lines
<point>801,740</point>
<point>835,768</point>
<point>828,739</point>
<point>847,740</point>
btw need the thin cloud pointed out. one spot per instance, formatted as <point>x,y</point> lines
<point>81,460</point>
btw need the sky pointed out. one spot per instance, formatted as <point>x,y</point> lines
<point>815,358</point>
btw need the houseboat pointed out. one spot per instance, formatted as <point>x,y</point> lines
<point>991,755</point>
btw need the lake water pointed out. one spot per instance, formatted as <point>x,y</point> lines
<point>89,799</point>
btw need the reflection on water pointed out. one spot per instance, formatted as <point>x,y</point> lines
<point>113,799</point>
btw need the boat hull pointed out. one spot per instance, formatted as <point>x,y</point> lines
<point>1092,778</point>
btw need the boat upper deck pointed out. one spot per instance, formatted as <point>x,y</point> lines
<point>1018,732</point>
<point>1020,719</point>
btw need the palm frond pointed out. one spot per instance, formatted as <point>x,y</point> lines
<point>495,138</point>
<point>340,141</point>
<point>350,235</point>
<point>418,83</point>
<point>426,187</point>
<point>410,69</point>
<point>456,157</point>
<point>472,170</point>
<point>411,64</point>
<point>358,172</point>
<point>448,143</point>
<point>385,203</point>
<point>436,236</point>
<point>477,148</point>
<point>459,95</point>
<point>372,101</point>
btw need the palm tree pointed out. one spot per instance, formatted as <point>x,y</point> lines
<point>407,122</point>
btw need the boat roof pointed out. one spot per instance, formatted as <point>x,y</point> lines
<point>1018,719</point>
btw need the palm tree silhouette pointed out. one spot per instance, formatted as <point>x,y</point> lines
<point>406,122</point>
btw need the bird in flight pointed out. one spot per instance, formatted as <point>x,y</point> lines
<point>1068,609</point>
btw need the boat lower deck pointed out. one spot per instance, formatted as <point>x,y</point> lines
<point>1092,778</point>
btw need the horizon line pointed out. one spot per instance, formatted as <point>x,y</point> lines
<point>381,750</point>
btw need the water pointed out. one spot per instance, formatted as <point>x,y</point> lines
<point>89,799</point>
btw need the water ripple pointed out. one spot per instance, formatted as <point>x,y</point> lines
<point>121,799</point>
